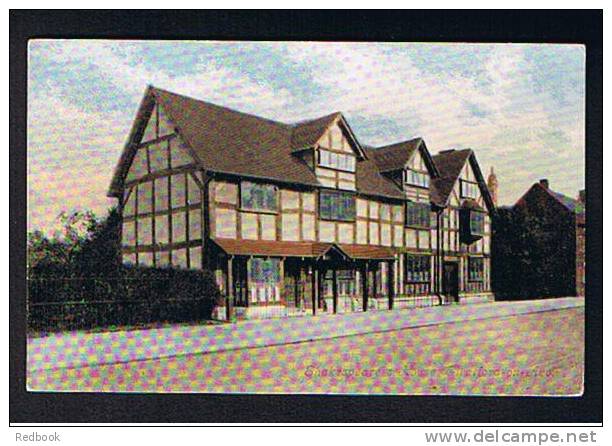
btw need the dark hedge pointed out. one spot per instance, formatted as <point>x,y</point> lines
<point>62,299</point>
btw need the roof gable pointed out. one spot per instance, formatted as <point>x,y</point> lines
<point>570,204</point>
<point>308,134</point>
<point>228,141</point>
<point>450,164</point>
<point>305,134</point>
<point>398,156</point>
<point>151,123</point>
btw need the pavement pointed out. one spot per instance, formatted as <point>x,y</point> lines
<point>80,349</point>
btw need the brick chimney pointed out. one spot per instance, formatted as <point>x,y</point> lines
<point>544,183</point>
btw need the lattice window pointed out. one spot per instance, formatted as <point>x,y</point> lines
<point>418,215</point>
<point>337,206</point>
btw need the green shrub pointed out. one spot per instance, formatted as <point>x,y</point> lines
<point>76,281</point>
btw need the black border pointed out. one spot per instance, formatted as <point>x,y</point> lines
<point>583,27</point>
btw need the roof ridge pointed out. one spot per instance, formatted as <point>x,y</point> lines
<point>228,109</point>
<point>558,196</point>
<point>417,138</point>
<point>309,121</point>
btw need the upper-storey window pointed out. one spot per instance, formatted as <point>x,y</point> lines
<point>258,197</point>
<point>339,161</point>
<point>477,223</point>
<point>472,223</point>
<point>469,189</point>
<point>415,178</point>
<point>336,205</point>
<point>418,215</point>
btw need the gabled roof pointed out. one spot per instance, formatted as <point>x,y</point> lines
<point>570,204</point>
<point>370,181</point>
<point>449,164</point>
<point>305,134</point>
<point>226,141</point>
<point>395,156</point>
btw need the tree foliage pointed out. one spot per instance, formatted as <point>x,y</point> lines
<point>531,255</point>
<point>84,244</point>
<point>77,281</point>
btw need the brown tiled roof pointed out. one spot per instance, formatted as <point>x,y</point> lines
<point>272,248</point>
<point>301,249</point>
<point>231,142</point>
<point>370,181</point>
<point>395,156</point>
<point>306,134</point>
<point>449,164</point>
<point>359,252</point>
<point>570,204</point>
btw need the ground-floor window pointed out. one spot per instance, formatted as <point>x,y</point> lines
<point>475,269</point>
<point>346,282</point>
<point>264,280</point>
<point>417,268</point>
<point>417,274</point>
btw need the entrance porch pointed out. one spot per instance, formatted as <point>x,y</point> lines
<point>263,279</point>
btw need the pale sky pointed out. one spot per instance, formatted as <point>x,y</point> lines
<point>520,107</point>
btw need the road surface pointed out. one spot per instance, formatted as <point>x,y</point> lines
<point>531,354</point>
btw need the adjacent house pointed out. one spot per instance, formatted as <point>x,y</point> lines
<point>301,218</point>
<point>554,225</point>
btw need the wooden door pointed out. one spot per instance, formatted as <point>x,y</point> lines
<point>451,281</point>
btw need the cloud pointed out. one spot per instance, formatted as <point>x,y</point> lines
<point>71,155</point>
<point>207,80</point>
<point>498,112</point>
<point>74,146</point>
<point>521,107</point>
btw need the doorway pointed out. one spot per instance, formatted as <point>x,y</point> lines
<point>450,283</point>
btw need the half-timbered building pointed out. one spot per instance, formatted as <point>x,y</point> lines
<point>300,218</point>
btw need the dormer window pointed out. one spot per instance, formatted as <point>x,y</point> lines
<point>469,189</point>
<point>338,161</point>
<point>416,178</point>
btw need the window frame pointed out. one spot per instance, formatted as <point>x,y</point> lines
<point>244,208</point>
<point>462,191</point>
<point>264,281</point>
<point>480,273</point>
<point>335,214</point>
<point>408,224</point>
<point>424,260</point>
<point>338,165</point>
<point>482,217</point>
<point>407,174</point>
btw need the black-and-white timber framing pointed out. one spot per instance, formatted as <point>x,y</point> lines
<point>301,218</point>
